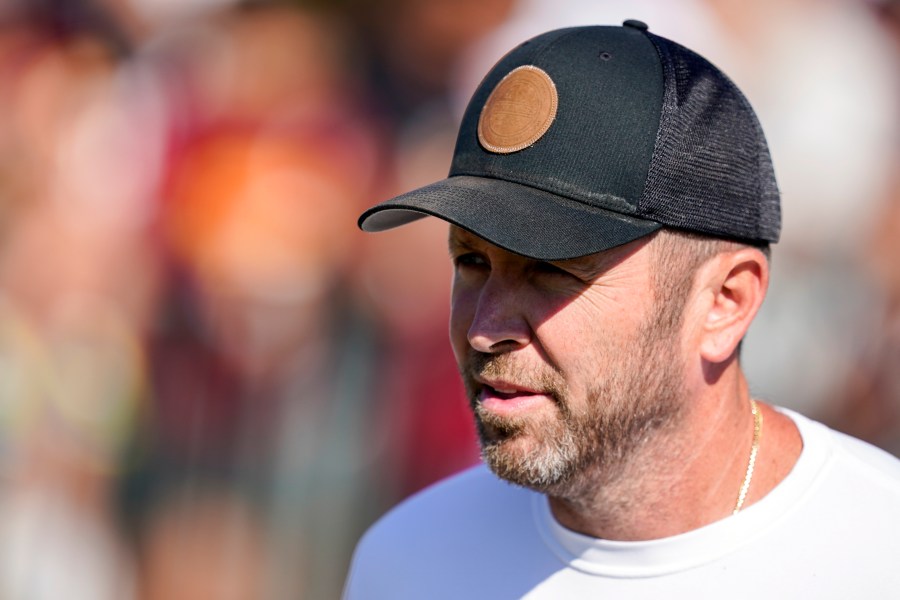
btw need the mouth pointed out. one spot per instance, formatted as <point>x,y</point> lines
<point>504,398</point>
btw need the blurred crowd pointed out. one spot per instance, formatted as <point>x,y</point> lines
<point>211,382</point>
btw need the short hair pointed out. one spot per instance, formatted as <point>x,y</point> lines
<point>676,257</point>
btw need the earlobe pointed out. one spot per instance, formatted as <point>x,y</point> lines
<point>738,283</point>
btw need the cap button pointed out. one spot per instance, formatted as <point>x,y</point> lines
<point>636,24</point>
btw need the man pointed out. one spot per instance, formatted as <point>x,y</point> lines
<point>611,203</point>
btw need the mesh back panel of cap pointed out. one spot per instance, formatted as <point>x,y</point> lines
<point>711,170</point>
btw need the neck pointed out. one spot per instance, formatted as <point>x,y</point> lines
<point>687,476</point>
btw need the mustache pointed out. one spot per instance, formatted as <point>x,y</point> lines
<point>506,367</point>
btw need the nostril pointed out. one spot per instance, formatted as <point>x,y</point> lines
<point>495,342</point>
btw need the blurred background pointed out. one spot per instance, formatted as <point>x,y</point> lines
<point>211,383</point>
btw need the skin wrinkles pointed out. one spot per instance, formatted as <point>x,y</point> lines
<point>587,269</point>
<point>612,383</point>
<point>583,343</point>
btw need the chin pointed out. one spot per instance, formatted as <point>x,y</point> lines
<point>524,461</point>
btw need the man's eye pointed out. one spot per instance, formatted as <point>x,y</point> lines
<point>546,268</point>
<point>469,260</point>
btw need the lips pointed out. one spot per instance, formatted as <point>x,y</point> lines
<point>506,393</point>
<point>504,385</point>
<point>504,398</point>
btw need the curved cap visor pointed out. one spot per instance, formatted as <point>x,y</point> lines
<point>515,217</point>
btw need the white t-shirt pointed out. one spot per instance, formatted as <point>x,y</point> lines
<point>831,529</point>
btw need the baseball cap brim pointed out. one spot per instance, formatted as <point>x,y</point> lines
<point>515,217</point>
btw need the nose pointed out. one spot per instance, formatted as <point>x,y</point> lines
<point>499,323</point>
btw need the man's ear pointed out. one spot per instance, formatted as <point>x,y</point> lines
<point>736,283</point>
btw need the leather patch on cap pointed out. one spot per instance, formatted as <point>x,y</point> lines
<point>519,111</point>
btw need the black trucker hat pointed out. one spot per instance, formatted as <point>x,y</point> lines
<point>585,138</point>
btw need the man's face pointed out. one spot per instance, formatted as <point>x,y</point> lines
<point>569,366</point>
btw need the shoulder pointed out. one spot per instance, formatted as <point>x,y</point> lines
<point>851,460</point>
<point>430,538</point>
<point>840,501</point>
<point>473,498</point>
<point>869,461</point>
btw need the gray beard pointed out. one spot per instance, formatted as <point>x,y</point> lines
<point>577,451</point>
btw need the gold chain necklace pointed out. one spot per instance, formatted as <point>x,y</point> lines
<point>754,448</point>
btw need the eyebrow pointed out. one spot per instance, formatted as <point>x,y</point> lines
<point>584,266</point>
<point>593,266</point>
<point>454,243</point>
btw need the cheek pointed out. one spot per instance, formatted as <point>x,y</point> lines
<point>587,334</point>
<point>571,345</point>
<point>462,311</point>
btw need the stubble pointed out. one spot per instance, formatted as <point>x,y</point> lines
<point>582,444</point>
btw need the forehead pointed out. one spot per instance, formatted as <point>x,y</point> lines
<point>591,264</point>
